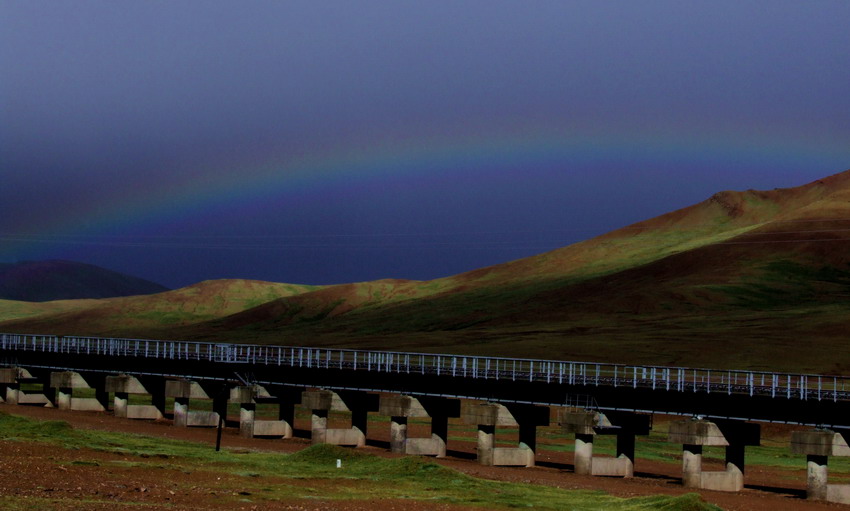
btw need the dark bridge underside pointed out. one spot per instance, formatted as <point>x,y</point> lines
<point>715,404</point>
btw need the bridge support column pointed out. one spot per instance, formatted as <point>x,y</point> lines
<point>183,391</point>
<point>400,408</point>
<point>818,445</point>
<point>321,402</point>
<point>489,415</point>
<point>9,384</point>
<point>586,424</point>
<point>694,434</point>
<point>122,386</point>
<point>17,394</point>
<point>249,397</point>
<point>583,461</point>
<point>286,411</point>
<point>64,384</point>
<point>398,433</point>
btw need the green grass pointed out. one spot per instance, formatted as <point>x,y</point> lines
<point>263,476</point>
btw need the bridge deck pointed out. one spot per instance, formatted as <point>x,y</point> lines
<point>770,396</point>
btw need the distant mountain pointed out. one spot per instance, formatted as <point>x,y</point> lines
<point>41,281</point>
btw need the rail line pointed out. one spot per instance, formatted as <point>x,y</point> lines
<point>676,379</point>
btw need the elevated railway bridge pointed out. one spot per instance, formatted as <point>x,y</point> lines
<point>718,407</point>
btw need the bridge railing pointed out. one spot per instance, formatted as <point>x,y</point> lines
<point>677,379</point>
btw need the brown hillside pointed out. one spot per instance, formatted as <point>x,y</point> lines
<point>145,314</point>
<point>753,279</point>
<point>324,303</point>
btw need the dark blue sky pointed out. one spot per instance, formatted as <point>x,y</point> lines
<point>324,142</point>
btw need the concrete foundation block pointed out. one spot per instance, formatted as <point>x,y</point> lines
<point>268,428</point>
<point>838,493</point>
<point>144,412</point>
<point>434,446</point>
<point>202,419</point>
<point>612,467</point>
<point>87,404</point>
<point>352,437</point>
<point>34,398</point>
<point>513,457</point>
<point>730,480</point>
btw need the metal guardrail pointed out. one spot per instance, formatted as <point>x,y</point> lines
<point>678,379</point>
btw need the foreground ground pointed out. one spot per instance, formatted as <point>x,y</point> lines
<point>108,474</point>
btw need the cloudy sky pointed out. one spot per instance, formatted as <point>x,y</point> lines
<point>334,141</point>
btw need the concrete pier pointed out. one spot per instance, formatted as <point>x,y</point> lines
<point>587,424</point>
<point>66,382</point>
<point>400,408</point>
<point>12,379</point>
<point>489,415</point>
<point>185,390</point>
<point>9,386</point>
<point>250,396</point>
<point>694,434</point>
<point>320,402</point>
<point>124,385</point>
<point>818,446</point>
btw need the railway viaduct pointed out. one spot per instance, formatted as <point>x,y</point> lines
<point>718,408</point>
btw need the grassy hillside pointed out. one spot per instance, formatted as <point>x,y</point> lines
<point>753,279</point>
<point>143,315</point>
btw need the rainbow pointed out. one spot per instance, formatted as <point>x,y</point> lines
<point>354,167</point>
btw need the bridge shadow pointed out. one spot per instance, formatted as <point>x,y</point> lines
<point>383,444</point>
<point>302,433</point>
<point>659,477</point>
<point>555,465</point>
<point>792,493</point>
<point>461,454</point>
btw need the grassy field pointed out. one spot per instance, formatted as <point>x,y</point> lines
<point>269,477</point>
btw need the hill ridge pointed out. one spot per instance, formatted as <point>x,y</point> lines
<point>40,281</point>
<point>703,285</point>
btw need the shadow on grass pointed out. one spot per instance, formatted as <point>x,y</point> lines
<point>790,492</point>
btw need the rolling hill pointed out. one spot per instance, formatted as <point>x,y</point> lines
<point>751,279</point>
<point>149,314</point>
